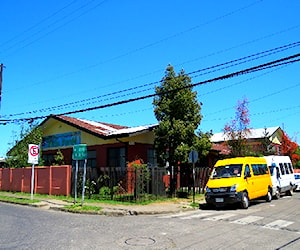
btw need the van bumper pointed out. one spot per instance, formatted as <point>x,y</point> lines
<point>224,198</point>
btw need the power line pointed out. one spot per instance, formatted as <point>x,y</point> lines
<point>258,114</point>
<point>36,24</point>
<point>145,46</point>
<point>52,24</point>
<point>287,60</point>
<point>120,93</point>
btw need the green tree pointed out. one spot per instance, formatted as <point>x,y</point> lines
<point>237,130</point>
<point>59,158</point>
<point>297,158</point>
<point>18,155</point>
<point>178,112</point>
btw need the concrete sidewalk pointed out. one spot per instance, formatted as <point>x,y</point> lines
<point>161,207</point>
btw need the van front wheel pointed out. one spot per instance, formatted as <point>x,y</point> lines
<point>277,193</point>
<point>245,201</point>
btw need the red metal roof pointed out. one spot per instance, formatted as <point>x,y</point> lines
<point>104,130</point>
<point>99,128</point>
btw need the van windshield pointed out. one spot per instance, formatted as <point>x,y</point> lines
<point>272,169</point>
<point>232,170</point>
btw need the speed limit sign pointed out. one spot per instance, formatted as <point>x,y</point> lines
<point>33,153</point>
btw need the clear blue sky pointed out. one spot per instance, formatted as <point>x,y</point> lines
<point>64,55</point>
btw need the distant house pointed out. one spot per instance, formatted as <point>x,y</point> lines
<point>255,139</point>
<point>2,162</point>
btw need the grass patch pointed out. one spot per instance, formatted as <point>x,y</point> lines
<point>194,204</point>
<point>21,198</point>
<point>37,196</point>
<point>86,208</point>
<point>17,200</point>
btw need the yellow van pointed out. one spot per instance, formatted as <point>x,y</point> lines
<point>239,180</point>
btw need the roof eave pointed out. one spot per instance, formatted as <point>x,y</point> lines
<point>75,126</point>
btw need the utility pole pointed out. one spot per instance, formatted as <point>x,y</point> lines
<point>1,70</point>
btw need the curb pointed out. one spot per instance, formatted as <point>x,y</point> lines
<point>120,212</point>
<point>107,211</point>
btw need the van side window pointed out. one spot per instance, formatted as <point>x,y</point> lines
<point>266,169</point>
<point>260,169</point>
<point>281,168</point>
<point>255,169</point>
<point>286,168</point>
<point>277,172</point>
<point>291,168</point>
<point>247,171</point>
<point>272,167</point>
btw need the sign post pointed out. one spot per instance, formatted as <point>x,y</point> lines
<point>79,153</point>
<point>193,157</point>
<point>33,158</point>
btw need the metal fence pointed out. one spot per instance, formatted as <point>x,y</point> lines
<point>130,184</point>
<point>137,184</point>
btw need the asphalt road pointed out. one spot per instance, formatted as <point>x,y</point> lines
<point>274,225</point>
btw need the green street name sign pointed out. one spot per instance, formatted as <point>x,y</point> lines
<point>79,152</point>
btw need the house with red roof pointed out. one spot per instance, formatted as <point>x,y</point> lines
<point>108,145</point>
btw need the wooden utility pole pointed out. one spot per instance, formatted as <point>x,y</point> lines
<point>1,70</point>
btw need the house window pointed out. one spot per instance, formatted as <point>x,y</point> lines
<point>117,158</point>
<point>48,159</point>
<point>92,158</point>
<point>151,157</point>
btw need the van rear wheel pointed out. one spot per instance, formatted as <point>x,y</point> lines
<point>269,195</point>
<point>291,191</point>
<point>245,200</point>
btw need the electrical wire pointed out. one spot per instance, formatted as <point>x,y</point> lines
<point>24,45</point>
<point>143,47</point>
<point>35,25</point>
<point>283,61</point>
<point>120,93</point>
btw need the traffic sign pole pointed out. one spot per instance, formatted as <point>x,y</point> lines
<point>193,182</point>
<point>75,180</point>
<point>193,157</point>
<point>83,181</point>
<point>32,181</point>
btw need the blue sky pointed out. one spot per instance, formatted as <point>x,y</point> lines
<point>66,55</point>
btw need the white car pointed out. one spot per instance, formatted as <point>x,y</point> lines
<point>297,178</point>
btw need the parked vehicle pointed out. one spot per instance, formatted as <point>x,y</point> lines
<point>239,180</point>
<point>297,181</point>
<point>282,175</point>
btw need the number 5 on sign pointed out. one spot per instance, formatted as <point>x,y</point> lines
<point>33,153</point>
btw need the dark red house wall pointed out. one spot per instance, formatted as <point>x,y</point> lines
<point>138,151</point>
<point>133,152</point>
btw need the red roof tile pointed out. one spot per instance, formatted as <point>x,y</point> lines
<point>92,126</point>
